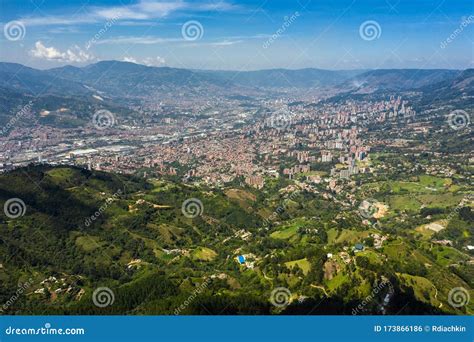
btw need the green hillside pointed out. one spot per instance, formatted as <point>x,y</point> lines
<point>84,230</point>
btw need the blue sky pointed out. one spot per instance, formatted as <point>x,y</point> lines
<point>240,35</point>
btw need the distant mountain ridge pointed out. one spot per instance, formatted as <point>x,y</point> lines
<point>135,80</point>
<point>458,89</point>
<point>124,79</point>
<point>397,79</point>
<point>21,78</point>
<point>116,85</point>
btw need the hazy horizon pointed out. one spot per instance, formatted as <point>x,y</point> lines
<point>230,70</point>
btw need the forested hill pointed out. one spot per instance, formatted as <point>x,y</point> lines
<point>67,233</point>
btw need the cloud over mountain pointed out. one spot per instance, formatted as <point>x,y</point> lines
<point>72,55</point>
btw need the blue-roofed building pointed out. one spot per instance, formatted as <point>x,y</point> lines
<point>358,247</point>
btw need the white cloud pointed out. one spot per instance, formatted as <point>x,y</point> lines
<point>149,61</point>
<point>152,40</point>
<point>130,60</point>
<point>226,43</point>
<point>143,10</point>
<point>146,40</point>
<point>214,44</point>
<point>72,55</point>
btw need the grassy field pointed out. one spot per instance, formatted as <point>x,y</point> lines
<point>396,250</point>
<point>302,263</point>
<point>88,243</point>
<point>290,229</point>
<point>404,202</point>
<point>285,233</point>
<point>374,258</point>
<point>352,236</point>
<point>421,184</point>
<point>168,233</point>
<point>61,176</point>
<point>243,198</point>
<point>424,289</point>
<point>426,233</point>
<point>414,202</point>
<point>447,255</point>
<point>423,191</point>
<point>150,243</point>
<point>204,254</point>
<point>443,200</point>
<point>337,281</point>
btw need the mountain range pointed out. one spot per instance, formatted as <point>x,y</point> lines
<point>119,78</point>
<point>114,83</point>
